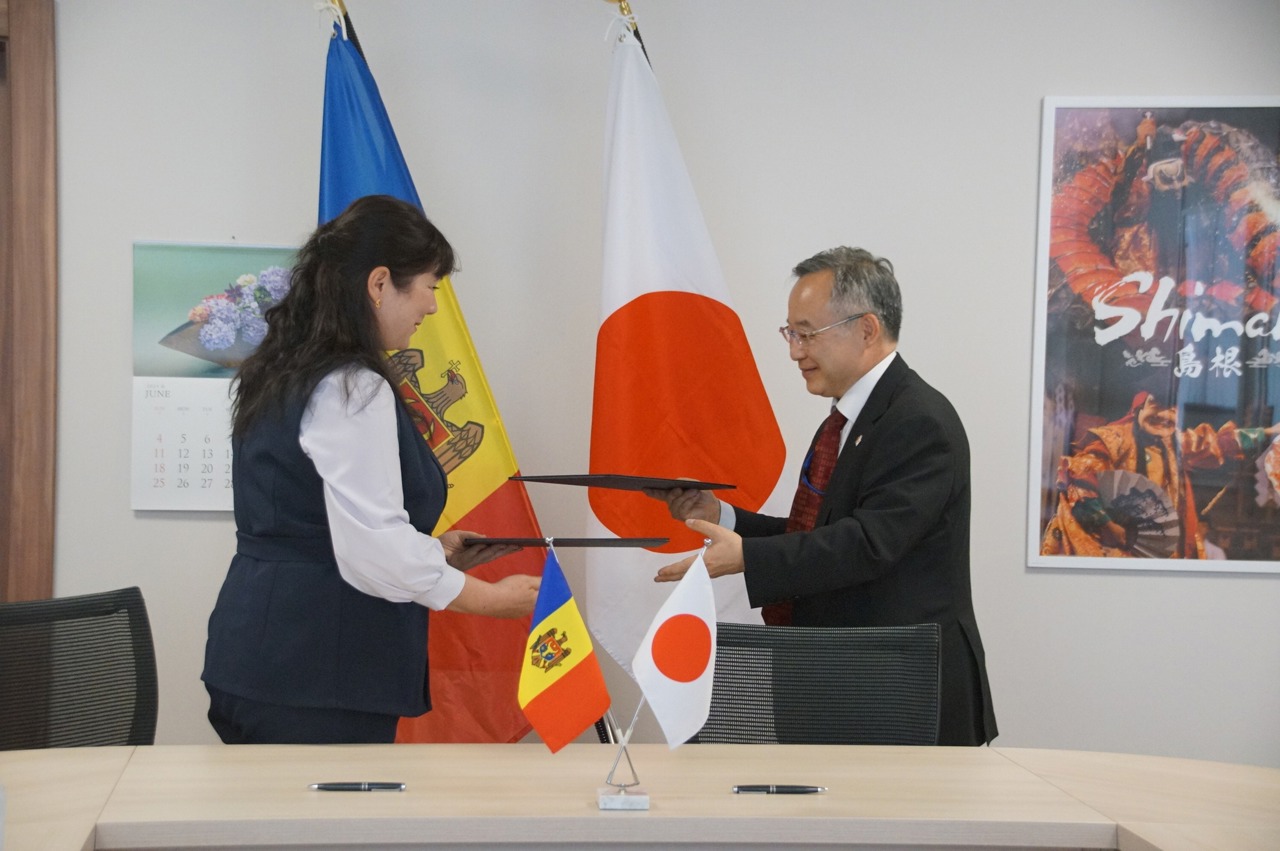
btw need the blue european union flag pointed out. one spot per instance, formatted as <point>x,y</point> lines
<point>359,154</point>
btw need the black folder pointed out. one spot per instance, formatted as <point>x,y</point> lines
<point>570,542</point>
<point>626,483</point>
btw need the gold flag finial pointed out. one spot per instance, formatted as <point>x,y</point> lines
<point>625,9</point>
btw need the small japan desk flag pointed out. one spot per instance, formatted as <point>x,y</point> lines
<point>676,662</point>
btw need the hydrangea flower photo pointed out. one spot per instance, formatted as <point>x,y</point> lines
<point>226,327</point>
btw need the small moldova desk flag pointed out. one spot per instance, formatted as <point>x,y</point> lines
<point>562,690</point>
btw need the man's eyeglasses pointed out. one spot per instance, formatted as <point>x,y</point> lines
<point>804,338</point>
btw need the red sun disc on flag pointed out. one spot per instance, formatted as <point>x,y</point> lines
<point>669,365</point>
<point>682,648</point>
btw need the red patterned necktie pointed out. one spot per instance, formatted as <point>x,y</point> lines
<point>814,476</point>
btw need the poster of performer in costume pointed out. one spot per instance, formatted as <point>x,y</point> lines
<point>1156,400</point>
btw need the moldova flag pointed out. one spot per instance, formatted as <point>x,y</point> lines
<point>562,690</point>
<point>474,660</point>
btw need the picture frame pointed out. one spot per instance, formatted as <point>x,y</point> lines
<point>1155,420</point>
<point>197,314</point>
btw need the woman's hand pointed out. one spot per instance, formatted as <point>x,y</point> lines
<point>510,597</point>
<point>464,557</point>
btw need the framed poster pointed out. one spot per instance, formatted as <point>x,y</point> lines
<point>1156,373</point>
<point>197,313</point>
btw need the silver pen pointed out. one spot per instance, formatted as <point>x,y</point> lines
<point>780,789</point>
<point>360,786</point>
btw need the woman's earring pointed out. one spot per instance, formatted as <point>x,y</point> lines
<point>377,303</point>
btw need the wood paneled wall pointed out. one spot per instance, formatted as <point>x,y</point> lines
<point>28,301</point>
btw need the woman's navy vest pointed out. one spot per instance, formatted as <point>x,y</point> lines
<point>287,629</point>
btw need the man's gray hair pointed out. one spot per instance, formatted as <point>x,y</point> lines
<point>863,282</point>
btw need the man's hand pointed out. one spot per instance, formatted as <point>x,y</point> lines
<point>463,557</point>
<point>688,503</point>
<point>723,555</point>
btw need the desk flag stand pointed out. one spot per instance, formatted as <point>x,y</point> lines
<point>617,794</point>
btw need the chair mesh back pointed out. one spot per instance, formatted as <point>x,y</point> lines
<point>810,685</point>
<point>77,671</point>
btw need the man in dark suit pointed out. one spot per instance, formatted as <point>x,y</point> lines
<point>879,532</point>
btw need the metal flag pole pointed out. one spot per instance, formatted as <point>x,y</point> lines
<point>617,795</point>
<point>624,8</point>
<point>350,29</point>
<point>622,751</point>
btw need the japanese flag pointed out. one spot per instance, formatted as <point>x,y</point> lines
<point>677,392</point>
<point>676,662</point>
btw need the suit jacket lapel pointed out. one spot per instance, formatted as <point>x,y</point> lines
<point>849,464</point>
<point>878,401</point>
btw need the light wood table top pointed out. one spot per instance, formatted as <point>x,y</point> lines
<point>1130,787</point>
<point>53,797</point>
<point>522,793</point>
<point>481,795</point>
<point>1168,803</point>
<point>1198,837</point>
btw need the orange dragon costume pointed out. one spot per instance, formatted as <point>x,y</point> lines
<point>1123,445</point>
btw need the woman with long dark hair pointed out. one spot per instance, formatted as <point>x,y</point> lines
<point>319,633</point>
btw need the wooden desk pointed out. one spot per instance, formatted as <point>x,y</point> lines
<point>523,794</point>
<point>1198,837</point>
<point>1166,803</point>
<point>479,795</point>
<point>54,797</point>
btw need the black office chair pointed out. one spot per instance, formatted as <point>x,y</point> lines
<point>812,685</point>
<point>77,671</point>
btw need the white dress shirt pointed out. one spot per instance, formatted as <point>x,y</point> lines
<point>352,440</point>
<point>850,404</point>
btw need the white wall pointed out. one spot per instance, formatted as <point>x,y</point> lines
<point>911,128</point>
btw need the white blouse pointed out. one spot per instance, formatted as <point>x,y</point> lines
<point>352,440</point>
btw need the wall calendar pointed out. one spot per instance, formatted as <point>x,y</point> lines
<point>197,314</point>
<point>181,444</point>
